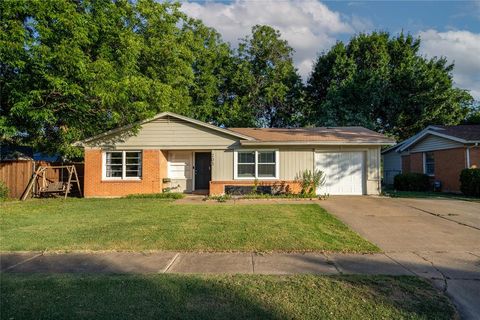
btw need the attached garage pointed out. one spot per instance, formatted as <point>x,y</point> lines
<point>344,172</point>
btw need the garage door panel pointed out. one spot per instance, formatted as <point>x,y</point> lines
<point>343,172</point>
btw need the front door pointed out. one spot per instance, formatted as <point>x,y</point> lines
<point>202,170</point>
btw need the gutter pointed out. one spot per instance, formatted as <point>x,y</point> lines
<point>314,143</point>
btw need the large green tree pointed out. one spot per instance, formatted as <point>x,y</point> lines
<point>269,86</point>
<point>383,83</point>
<point>71,69</point>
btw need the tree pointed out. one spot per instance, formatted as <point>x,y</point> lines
<point>73,69</point>
<point>269,86</point>
<point>384,84</point>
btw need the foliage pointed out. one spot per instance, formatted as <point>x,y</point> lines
<point>470,182</point>
<point>269,85</point>
<point>3,191</point>
<point>163,195</point>
<point>411,182</point>
<point>310,181</point>
<point>219,198</point>
<point>72,69</point>
<point>383,83</point>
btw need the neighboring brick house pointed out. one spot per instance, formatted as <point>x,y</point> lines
<point>442,152</point>
<point>181,154</point>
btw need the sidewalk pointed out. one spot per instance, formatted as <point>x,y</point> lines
<point>455,273</point>
<point>435,266</point>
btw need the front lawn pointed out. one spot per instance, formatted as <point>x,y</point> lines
<point>220,297</point>
<point>154,224</point>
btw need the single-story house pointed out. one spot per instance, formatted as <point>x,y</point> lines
<point>441,152</point>
<point>178,153</point>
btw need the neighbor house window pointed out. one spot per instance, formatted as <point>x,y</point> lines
<point>429,163</point>
<point>256,164</point>
<point>122,165</point>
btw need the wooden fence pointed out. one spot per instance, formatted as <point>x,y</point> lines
<point>17,173</point>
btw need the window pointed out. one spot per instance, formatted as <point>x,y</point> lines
<point>256,164</point>
<point>266,164</point>
<point>429,163</point>
<point>123,165</point>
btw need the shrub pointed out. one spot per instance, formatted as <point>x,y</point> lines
<point>164,195</point>
<point>220,198</point>
<point>470,182</point>
<point>3,191</point>
<point>310,181</point>
<point>411,182</point>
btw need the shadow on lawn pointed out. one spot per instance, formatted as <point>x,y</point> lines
<point>50,294</point>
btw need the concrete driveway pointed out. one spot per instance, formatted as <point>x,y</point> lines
<point>443,233</point>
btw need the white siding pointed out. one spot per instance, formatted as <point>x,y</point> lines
<point>180,170</point>
<point>294,161</point>
<point>222,165</point>
<point>170,133</point>
<point>431,142</point>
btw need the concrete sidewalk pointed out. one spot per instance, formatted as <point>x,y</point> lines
<point>455,273</point>
<point>433,265</point>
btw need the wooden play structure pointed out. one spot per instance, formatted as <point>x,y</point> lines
<point>40,185</point>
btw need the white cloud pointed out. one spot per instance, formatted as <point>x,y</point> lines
<point>460,47</point>
<point>308,25</point>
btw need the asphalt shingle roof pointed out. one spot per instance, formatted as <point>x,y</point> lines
<point>320,134</point>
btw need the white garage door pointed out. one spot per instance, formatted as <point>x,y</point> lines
<point>343,171</point>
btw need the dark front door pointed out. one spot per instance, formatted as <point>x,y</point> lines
<point>202,170</point>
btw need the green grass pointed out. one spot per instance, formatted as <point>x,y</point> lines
<point>428,195</point>
<point>220,297</point>
<point>151,224</point>
<point>163,195</point>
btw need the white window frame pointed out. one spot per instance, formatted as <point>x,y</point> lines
<point>124,165</point>
<point>235,164</point>
<point>425,164</point>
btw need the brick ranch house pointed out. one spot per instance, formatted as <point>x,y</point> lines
<point>185,155</point>
<point>442,152</point>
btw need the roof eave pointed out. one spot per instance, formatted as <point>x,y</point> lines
<point>83,143</point>
<point>313,143</point>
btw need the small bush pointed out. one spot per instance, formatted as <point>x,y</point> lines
<point>3,191</point>
<point>220,198</point>
<point>310,181</point>
<point>470,182</point>
<point>412,182</point>
<point>164,195</point>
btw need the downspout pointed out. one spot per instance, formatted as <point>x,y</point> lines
<point>468,157</point>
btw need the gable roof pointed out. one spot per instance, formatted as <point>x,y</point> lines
<point>318,135</point>
<point>460,133</point>
<point>158,116</point>
<point>467,132</point>
<point>255,136</point>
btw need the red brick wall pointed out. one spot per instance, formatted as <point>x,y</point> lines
<point>475,157</point>
<point>405,164</point>
<point>416,162</point>
<point>448,164</point>
<point>154,163</point>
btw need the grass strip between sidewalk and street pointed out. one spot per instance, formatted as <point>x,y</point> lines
<point>37,296</point>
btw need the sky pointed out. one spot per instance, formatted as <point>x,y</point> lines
<point>446,28</point>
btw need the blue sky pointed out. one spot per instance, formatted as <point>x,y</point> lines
<point>447,28</point>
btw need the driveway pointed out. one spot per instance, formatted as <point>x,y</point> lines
<point>444,233</point>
